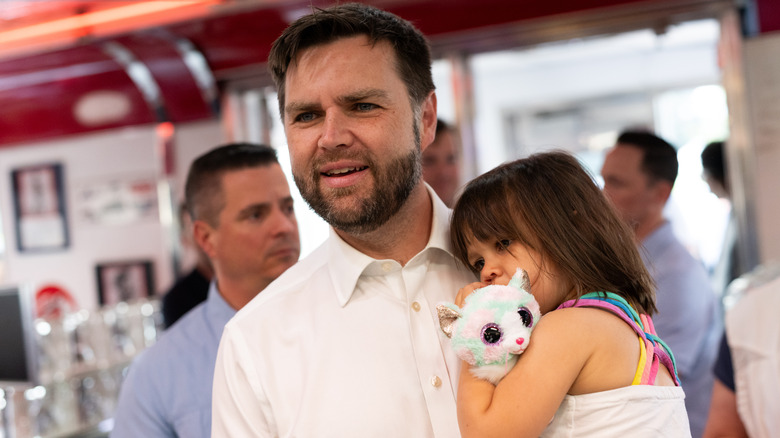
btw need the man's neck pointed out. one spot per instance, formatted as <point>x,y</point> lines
<point>647,228</point>
<point>401,237</point>
<point>237,295</point>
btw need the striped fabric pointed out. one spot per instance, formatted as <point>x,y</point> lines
<point>653,351</point>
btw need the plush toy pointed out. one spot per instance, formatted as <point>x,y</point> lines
<point>493,327</point>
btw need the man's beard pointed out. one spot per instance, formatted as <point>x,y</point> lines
<point>392,186</point>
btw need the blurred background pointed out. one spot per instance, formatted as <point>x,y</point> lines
<point>104,104</point>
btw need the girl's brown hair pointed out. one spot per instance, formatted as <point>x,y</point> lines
<point>549,203</point>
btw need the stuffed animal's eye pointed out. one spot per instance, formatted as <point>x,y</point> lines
<point>526,316</point>
<point>491,334</point>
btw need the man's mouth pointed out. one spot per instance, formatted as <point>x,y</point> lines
<point>344,171</point>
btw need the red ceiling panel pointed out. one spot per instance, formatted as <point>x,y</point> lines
<point>38,92</point>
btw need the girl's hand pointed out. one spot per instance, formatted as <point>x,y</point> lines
<point>466,291</point>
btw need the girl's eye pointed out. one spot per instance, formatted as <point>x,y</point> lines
<point>503,244</point>
<point>479,264</point>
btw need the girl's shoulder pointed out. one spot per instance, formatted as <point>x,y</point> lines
<point>604,344</point>
<point>578,322</point>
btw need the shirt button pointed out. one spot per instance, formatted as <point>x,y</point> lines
<point>387,266</point>
<point>435,381</point>
<point>416,306</point>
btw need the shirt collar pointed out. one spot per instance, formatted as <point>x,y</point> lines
<point>348,264</point>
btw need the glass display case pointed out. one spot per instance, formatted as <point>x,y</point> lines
<point>77,364</point>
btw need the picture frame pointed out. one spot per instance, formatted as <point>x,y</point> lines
<point>39,208</point>
<point>124,281</point>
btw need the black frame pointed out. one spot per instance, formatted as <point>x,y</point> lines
<point>139,274</point>
<point>53,195</point>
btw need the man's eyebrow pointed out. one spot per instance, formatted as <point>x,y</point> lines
<point>353,97</point>
<point>300,107</point>
<point>361,95</point>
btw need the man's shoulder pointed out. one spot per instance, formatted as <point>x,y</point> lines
<point>290,285</point>
<point>182,340</point>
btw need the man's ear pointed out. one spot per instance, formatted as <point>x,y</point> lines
<point>204,236</point>
<point>662,190</point>
<point>428,121</point>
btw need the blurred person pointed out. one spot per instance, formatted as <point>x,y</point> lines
<point>191,289</point>
<point>747,372</point>
<point>639,173</point>
<point>714,173</point>
<point>440,161</point>
<point>243,220</point>
<point>346,343</point>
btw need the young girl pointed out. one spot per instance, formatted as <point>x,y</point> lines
<point>594,367</point>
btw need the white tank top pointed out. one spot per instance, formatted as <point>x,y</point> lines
<point>638,411</point>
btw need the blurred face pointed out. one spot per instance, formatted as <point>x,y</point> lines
<point>440,166</point>
<point>354,140</point>
<point>256,238</point>
<point>627,186</point>
<point>498,261</point>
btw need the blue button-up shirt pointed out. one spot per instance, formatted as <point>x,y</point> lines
<point>688,318</point>
<point>167,392</point>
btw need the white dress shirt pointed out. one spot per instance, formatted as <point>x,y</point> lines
<point>344,345</point>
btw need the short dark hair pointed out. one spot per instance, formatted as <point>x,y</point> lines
<point>323,26</point>
<point>713,163</point>
<point>659,158</point>
<point>203,189</point>
<point>442,126</point>
<point>551,204</point>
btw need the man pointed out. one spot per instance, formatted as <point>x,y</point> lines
<point>346,343</point>
<point>440,163</point>
<point>244,221</point>
<point>639,173</point>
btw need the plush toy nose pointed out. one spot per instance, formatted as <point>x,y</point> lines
<point>520,341</point>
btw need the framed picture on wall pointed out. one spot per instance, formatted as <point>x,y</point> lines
<point>39,207</point>
<point>124,281</point>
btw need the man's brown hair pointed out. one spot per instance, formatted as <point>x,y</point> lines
<point>323,26</point>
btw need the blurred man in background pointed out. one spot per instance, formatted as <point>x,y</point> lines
<point>639,173</point>
<point>441,163</point>
<point>244,222</point>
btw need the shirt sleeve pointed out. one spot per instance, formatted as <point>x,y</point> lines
<point>724,369</point>
<point>140,410</point>
<point>239,405</point>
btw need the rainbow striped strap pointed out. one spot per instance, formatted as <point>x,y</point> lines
<point>649,354</point>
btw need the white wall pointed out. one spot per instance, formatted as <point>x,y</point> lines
<point>89,161</point>
<point>762,80</point>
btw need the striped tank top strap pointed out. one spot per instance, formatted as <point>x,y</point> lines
<point>650,355</point>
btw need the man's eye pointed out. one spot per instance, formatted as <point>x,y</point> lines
<point>365,106</point>
<point>479,264</point>
<point>305,117</point>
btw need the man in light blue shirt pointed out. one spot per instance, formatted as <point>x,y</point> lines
<point>639,173</point>
<point>244,221</point>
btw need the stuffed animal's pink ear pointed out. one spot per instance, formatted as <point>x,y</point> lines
<point>447,317</point>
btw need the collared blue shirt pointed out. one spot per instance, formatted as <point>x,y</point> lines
<point>167,392</point>
<point>688,317</point>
